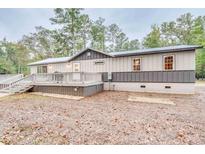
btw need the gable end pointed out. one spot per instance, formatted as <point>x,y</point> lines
<point>90,54</point>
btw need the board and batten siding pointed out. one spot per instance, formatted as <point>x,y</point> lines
<point>33,69</point>
<point>59,67</point>
<point>152,62</point>
<point>51,68</point>
<point>92,55</point>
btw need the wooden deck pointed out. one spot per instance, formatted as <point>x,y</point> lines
<point>77,84</point>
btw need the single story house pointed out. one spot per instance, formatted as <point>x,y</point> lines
<point>164,70</point>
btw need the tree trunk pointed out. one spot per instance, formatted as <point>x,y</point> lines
<point>84,42</point>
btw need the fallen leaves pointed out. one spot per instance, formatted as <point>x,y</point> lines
<point>1,143</point>
<point>105,118</point>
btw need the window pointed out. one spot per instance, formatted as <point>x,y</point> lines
<point>136,64</point>
<point>76,67</point>
<point>42,69</point>
<point>169,62</point>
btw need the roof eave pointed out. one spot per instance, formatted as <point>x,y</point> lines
<point>199,47</point>
<point>47,63</point>
<point>157,52</point>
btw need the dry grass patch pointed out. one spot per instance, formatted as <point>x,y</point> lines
<point>58,95</point>
<point>150,100</point>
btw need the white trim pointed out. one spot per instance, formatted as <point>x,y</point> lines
<point>173,64</point>
<point>140,58</point>
<point>73,69</point>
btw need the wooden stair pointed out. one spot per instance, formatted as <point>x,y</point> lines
<point>20,86</point>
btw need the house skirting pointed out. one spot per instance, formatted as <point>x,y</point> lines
<point>175,88</point>
<point>69,90</point>
<point>172,88</point>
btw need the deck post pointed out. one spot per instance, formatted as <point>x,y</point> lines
<point>33,78</point>
<point>83,77</point>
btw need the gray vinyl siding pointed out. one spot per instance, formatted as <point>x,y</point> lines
<point>90,90</point>
<point>69,90</point>
<point>186,76</point>
<point>93,55</point>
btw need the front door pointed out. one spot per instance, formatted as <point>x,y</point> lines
<point>76,71</point>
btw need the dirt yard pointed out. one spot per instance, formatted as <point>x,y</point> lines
<point>106,118</point>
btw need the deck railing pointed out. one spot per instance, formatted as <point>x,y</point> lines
<point>9,79</point>
<point>73,78</point>
<point>66,78</point>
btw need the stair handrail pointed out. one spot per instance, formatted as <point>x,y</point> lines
<point>10,80</point>
<point>18,81</point>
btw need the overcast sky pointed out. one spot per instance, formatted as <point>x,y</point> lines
<point>14,23</point>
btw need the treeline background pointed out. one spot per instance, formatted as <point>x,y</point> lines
<point>74,31</point>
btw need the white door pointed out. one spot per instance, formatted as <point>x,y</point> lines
<point>76,71</point>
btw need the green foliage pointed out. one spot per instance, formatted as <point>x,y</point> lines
<point>200,63</point>
<point>98,34</point>
<point>118,41</point>
<point>72,22</point>
<point>84,32</point>
<point>13,57</point>
<point>6,67</point>
<point>198,31</point>
<point>74,31</point>
<point>172,33</point>
<point>185,30</point>
<point>134,44</point>
<point>153,39</point>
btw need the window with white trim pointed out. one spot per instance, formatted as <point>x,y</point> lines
<point>169,62</point>
<point>76,67</point>
<point>136,64</point>
<point>42,69</point>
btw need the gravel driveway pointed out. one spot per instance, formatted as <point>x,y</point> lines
<point>105,118</point>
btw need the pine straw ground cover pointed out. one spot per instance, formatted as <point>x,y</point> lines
<point>105,118</point>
